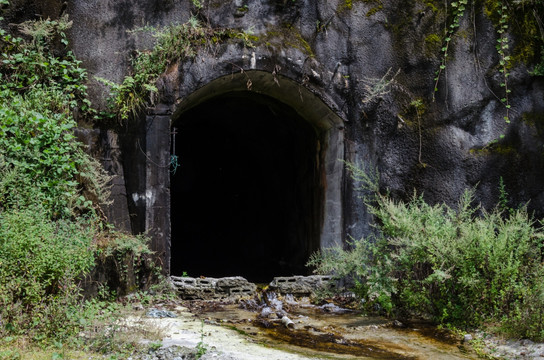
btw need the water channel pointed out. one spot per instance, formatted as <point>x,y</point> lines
<point>324,332</point>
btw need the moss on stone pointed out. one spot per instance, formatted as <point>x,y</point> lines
<point>344,6</point>
<point>534,119</point>
<point>374,10</point>
<point>248,39</point>
<point>431,5</point>
<point>287,36</point>
<point>348,5</point>
<point>243,9</point>
<point>433,43</point>
<point>524,26</point>
<point>495,148</point>
<point>378,6</point>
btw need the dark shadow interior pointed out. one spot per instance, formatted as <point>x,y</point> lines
<point>247,198</point>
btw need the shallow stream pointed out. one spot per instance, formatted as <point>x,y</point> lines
<point>328,331</point>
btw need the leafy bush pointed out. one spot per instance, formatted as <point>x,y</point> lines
<point>41,161</point>
<point>50,190</point>
<point>28,63</point>
<point>460,267</point>
<point>40,148</point>
<point>40,261</point>
<point>526,320</point>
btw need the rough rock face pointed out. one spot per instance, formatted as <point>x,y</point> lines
<point>361,73</point>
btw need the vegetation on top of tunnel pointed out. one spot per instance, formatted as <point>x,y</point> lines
<point>52,227</point>
<point>460,267</point>
<point>174,43</point>
<point>519,39</point>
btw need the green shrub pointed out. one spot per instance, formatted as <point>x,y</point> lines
<point>29,63</point>
<point>461,267</point>
<point>40,148</point>
<point>526,320</point>
<point>40,262</point>
<point>41,161</point>
<point>50,190</point>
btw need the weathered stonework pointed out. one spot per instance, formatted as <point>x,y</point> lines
<point>324,61</point>
<point>301,285</point>
<point>212,288</point>
<point>219,288</point>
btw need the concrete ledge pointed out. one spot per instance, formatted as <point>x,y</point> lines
<point>301,285</point>
<point>190,288</point>
<point>211,288</point>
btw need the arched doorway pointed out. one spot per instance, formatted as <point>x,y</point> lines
<point>248,196</point>
<point>259,187</point>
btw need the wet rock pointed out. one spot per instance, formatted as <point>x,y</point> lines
<point>267,312</point>
<point>156,313</point>
<point>249,304</point>
<point>275,304</point>
<point>398,324</point>
<point>333,308</point>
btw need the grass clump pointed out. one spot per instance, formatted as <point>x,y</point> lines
<point>461,267</point>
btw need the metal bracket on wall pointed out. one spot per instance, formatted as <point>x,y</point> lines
<point>173,158</point>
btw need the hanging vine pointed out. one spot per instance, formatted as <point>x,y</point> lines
<point>504,59</point>
<point>458,9</point>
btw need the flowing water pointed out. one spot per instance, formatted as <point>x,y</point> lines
<point>328,332</point>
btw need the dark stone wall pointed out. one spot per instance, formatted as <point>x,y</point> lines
<point>339,51</point>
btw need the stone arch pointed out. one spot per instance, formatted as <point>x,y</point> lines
<point>311,211</point>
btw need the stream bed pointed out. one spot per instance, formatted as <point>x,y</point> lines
<point>289,329</point>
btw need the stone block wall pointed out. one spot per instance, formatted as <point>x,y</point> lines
<point>212,288</point>
<point>219,288</point>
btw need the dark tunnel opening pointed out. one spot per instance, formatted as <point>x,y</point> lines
<point>247,198</point>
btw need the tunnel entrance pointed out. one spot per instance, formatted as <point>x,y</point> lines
<point>248,196</point>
